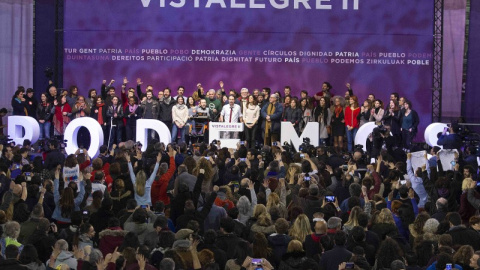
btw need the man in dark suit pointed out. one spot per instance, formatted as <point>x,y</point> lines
<point>339,254</point>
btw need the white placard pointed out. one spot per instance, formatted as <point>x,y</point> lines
<point>446,157</point>
<point>96,135</point>
<point>214,129</point>
<point>288,134</point>
<point>30,124</point>
<point>418,160</point>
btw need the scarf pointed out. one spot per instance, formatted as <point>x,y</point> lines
<point>100,113</point>
<point>268,124</point>
<point>133,108</point>
<point>181,106</point>
<point>167,100</point>
<point>338,110</point>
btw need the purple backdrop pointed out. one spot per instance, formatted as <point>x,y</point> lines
<point>472,94</point>
<point>376,27</point>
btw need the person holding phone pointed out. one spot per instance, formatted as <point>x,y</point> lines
<point>452,140</point>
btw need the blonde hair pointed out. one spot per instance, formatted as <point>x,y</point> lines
<point>258,210</point>
<point>272,200</point>
<point>467,182</point>
<point>141,179</point>
<point>301,228</point>
<point>295,246</point>
<point>353,218</point>
<point>385,216</point>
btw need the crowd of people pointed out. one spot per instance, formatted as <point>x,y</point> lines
<point>262,205</point>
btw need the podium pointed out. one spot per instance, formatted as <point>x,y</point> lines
<point>216,127</point>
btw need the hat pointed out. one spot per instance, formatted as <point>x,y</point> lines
<point>183,234</point>
<point>185,244</point>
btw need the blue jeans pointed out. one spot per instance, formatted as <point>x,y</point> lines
<point>175,130</point>
<point>351,138</point>
<point>45,130</point>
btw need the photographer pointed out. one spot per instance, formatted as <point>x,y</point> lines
<point>452,140</point>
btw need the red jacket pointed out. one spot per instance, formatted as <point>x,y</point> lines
<point>351,117</point>
<point>159,186</point>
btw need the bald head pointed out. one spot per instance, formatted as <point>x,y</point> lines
<point>17,190</point>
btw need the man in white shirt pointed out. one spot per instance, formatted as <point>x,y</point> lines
<point>97,184</point>
<point>231,113</point>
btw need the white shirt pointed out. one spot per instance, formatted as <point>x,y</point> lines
<point>236,113</point>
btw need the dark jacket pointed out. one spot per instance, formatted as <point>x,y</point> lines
<point>334,257</point>
<point>12,264</point>
<point>465,236</point>
<point>312,244</point>
<point>94,112</point>
<point>293,116</point>
<point>18,107</point>
<point>166,110</point>
<point>43,243</point>
<point>227,243</point>
<point>132,118</point>
<point>274,118</point>
<point>297,260</point>
<point>45,112</point>
<point>155,109</point>
<point>31,105</point>
<point>116,120</point>
<point>220,255</point>
<point>279,244</point>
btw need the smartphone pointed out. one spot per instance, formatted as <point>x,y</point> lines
<point>207,158</point>
<point>403,182</point>
<point>306,178</point>
<point>345,167</point>
<point>372,160</point>
<point>243,159</point>
<point>275,143</point>
<point>349,265</point>
<point>478,184</point>
<point>449,266</point>
<point>144,206</point>
<point>85,213</point>
<point>28,173</point>
<point>257,261</point>
<point>242,142</point>
<point>302,155</point>
<point>18,166</point>
<point>330,199</point>
<point>81,151</point>
<point>453,163</point>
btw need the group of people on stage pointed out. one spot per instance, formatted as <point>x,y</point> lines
<point>261,111</point>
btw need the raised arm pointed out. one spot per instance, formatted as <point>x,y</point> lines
<point>155,170</point>
<point>80,195</point>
